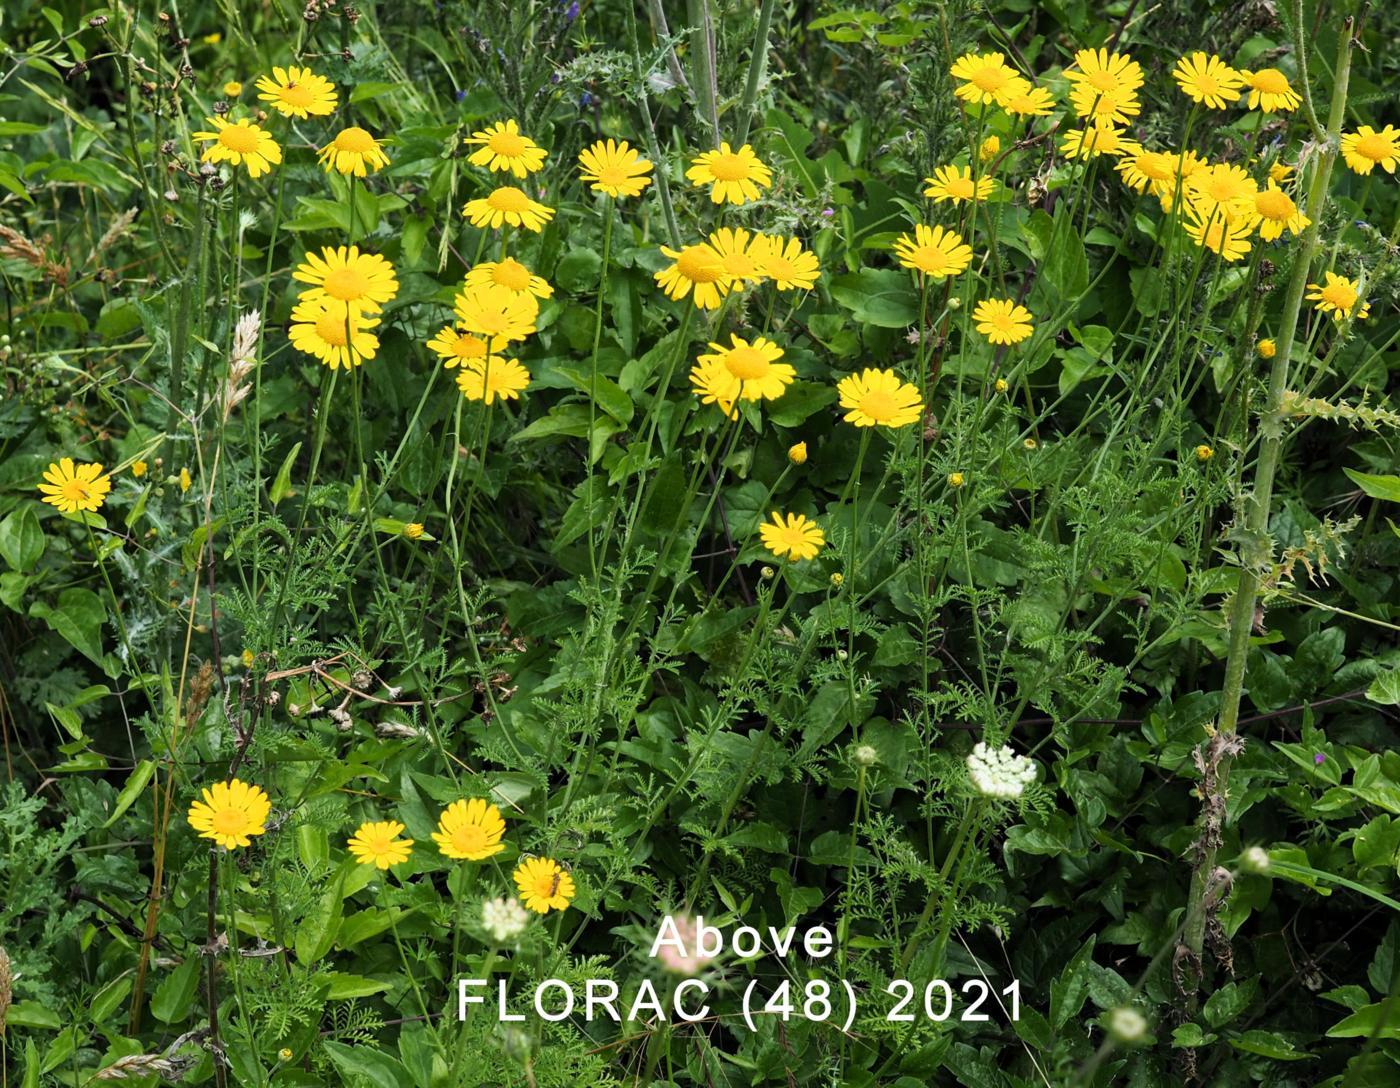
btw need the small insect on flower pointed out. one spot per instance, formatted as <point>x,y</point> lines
<point>933,252</point>
<point>240,143</point>
<point>73,488</point>
<point>1204,453</point>
<point>793,536</point>
<point>697,271</point>
<point>353,151</point>
<point>470,830</point>
<point>1267,349</point>
<point>878,398</point>
<point>298,92</point>
<point>1338,297</point>
<point>1365,149</point>
<point>502,147</point>
<point>733,176</point>
<point>956,184</point>
<point>1003,321</point>
<point>1208,80</point>
<point>230,813</point>
<point>797,453</point>
<point>614,168</point>
<point>785,262</point>
<point>493,378</point>
<point>1270,91</point>
<point>507,204</point>
<point>378,844</point>
<point>544,885</point>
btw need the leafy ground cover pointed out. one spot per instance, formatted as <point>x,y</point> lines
<point>528,492</point>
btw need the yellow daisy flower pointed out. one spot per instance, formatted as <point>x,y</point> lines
<point>363,281</point>
<point>1141,168</point>
<point>614,168</point>
<point>333,332</point>
<point>988,151</point>
<point>493,378</point>
<point>1184,166</point>
<point>544,885</point>
<point>785,262</point>
<point>508,204</point>
<point>956,184</point>
<point>470,830</point>
<point>353,151</point>
<point>1281,172</point>
<point>753,369</point>
<point>1267,349</point>
<point>1104,108</point>
<point>232,89</point>
<point>298,92</point>
<point>1096,140</point>
<point>1339,297</point>
<point>1366,148</point>
<point>713,384</point>
<point>698,269</point>
<point>502,146</point>
<point>1270,91</point>
<point>933,252</point>
<point>378,843</point>
<point>456,347</point>
<point>72,487</point>
<point>1105,72</point>
<point>241,143</point>
<point>1204,453</point>
<point>877,398</point>
<point>230,813</point>
<point>1208,80</point>
<point>733,176</point>
<point>793,536</point>
<point>1223,188</point>
<point>496,313</point>
<point>984,78</point>
<point>510,274</point>
<point>737,248</point>
<point>1002,321</point>
<point>138,468</point>
<point>1027,100</point>
<point>1219,233</point>
<point>1277,212</point>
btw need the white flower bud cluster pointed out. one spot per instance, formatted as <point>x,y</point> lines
<point>503,919</point>
<point>1127,1026</point>
<point>999,772</point>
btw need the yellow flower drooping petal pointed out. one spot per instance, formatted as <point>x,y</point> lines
<point>510,274</point>
<point>1270,91</point>
<point>378,843</point>
<point>492,378</point>
<point>470,830</point>
<point>697,271</point>
<point>73,488</point>
<point>544,885</point>
<point>792,536</point>
<point>1277,212</point>
<point>497,314</point>
<point>510,205</point>
<point>230,813</point>
<point>353,151</point>
<point>456,347</point>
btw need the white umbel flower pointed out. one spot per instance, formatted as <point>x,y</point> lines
<point>999,772</point>
<point>503,919</point>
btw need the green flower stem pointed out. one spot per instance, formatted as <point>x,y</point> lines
<point>1256,546</point>
<point>231,883</point>
<point>758,59</point>
<point>941,894</point>
<point>610,215</point>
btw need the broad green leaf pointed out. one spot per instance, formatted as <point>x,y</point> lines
<point>878,296</point>
<point>21,538</point>
<point>78,617</point>
<point>1378,487</point>
<point>175,995</point>
<point>135,783</point>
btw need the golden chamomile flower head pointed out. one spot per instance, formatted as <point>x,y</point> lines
<point>1276,212</point>
<point>492,378</point>
<point>240,143</point>
<point>353,152</point>
<point>792,536</point>
<point>1104,86</point>
<point>734,177</point>
<point>1365,149</point>
<point>957,185</point>
<point>1219,233</point>
<point>1003,321</point>
<point>470,830</point>
<point>988,149</point>
<point>738,249</point>
<point>502,147</point>
<point>1208,80</point>
<point>697,271</point>
<point>298,92</point>
<point>1105,108</point>
<point>1280,172</point>
<point>1027,100</point>
<point>456,347</point>
<point>933,252</point>
<point>230,813</point>
<point>75,488</point>
<point>377,843</point>
<point>1270,91</point>
<point>544,885</point>
<point>785,262</point>
<point>138,468</point>
<point>495,313</point>
<point>713,384</point>
<point>509,205</point>
<point>1267,349</point>
<point>335,334</point>
<point>1096,140</point>
<point>1221,189</point>
<point>985,78</point>
<point>1184,166</point>
<point>1204,453</point>
<point>878,398</point>
<point>232,89</point>
<point>753,369</point>
<point>1339,297</point>
<point>363,281</point>
<point>1141,168</point>
<point>614,168</point>
<point>510,274</point>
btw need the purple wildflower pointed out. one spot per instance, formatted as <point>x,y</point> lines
<point>1319,759</point>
